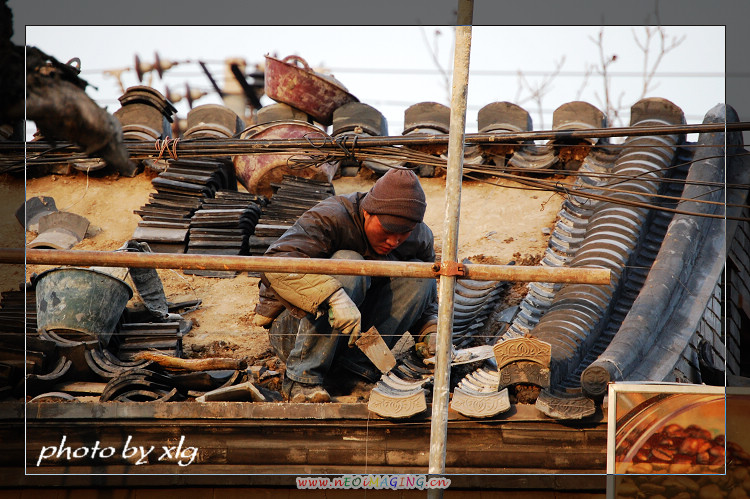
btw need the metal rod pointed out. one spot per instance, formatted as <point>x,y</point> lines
<point>454,172</point>
<point>246,87</point>
<point>484,138</point>
<point>586,193</point>
<point>211,79</point>
<point>478,272</point>
<point>249,146</point>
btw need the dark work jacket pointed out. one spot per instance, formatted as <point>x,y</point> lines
<point>334,224</point>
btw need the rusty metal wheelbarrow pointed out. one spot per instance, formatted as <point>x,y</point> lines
<point>316,94</point>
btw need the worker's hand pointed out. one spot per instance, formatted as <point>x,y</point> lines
<point>262,321</point>
<point>344,316</point>
<point>429,327</point>
<point>427,339</point>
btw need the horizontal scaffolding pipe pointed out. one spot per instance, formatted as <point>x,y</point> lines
<point>202,147</point>
<point>479,272</point>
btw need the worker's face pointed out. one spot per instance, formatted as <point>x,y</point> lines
<point>381,240</point>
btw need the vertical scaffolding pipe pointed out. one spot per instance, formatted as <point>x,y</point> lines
<point>460,87</point>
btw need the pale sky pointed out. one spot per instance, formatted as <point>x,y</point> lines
<point>392,67</point>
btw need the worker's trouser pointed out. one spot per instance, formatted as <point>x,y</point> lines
<point>391,304</point>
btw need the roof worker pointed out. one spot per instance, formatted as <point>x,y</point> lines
<point>314,319</point>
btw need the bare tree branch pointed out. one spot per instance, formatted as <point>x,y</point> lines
<point>588,70</point>
<point>666,45</point>
<point>653,56</point>
<point>537,91</point>
<point>605,61</point>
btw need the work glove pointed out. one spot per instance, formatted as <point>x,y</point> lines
<point>344,316</point>
<point>262,321</point>
<point>427,339</point>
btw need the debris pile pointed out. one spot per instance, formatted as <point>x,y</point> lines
<point>141,362</point>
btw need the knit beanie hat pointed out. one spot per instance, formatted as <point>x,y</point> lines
<point>397,199</point>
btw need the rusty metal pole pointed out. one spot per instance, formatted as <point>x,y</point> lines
<point>183,261</point>
<point>440,392</point>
